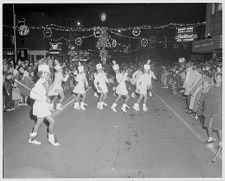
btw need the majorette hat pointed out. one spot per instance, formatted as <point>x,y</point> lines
<point>99,66</point>
<point>147,66</point>
<point>43,68</point>
<point>80,68</point>
<point>115,65</point>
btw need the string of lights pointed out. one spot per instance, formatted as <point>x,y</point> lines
<point>81,29</point>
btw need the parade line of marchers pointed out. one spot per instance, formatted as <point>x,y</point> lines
<point>45,95</point>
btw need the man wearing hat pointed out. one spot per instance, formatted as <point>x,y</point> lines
<point>56,88</point>
<point>143,85</point>
<point>41,108</point>
<point>79,89</point>
<point>100,84</point>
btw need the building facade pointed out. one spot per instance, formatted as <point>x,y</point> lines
<point>212,44</point>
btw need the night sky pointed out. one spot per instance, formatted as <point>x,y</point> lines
<point>118,15</point>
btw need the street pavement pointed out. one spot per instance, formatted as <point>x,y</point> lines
<point>165,142</point>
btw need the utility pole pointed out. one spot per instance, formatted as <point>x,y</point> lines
<point>14,26</point>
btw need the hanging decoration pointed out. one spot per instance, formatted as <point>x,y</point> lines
<point>47,32</point>
<point>56,46</point>
<point>144,42</point>
<point>103,16</point>
<point>114,43</point>
<point>22,28</point>
<point>78,41</point>
<point>136,31</point>
<point>98,32</point>
<point>103,40</point>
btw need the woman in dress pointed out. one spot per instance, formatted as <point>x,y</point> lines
<point>80,89</point>
<point>121,89</point>
<point>41,107</point>
<point>100,84</point>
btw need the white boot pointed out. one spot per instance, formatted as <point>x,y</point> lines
<point>104,104</point>
<point>51,107</point>
<point>113,107</point>
<point>82,106</point>
<point>101,105</point>
<point>53,140</point>
<point>76,105</point>
<point>136,107</point>
<point>133,95</point>
<point>59,107</point>
<point>145,109</point>
<point>150,94</point>
<point>32,139</point>
<point>95,94</point>
<point>124,108</point>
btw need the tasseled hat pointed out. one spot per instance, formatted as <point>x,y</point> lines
<point>99,66</point>
<point>43,68</point>
<point>115,65</point>
<point>147,66</point>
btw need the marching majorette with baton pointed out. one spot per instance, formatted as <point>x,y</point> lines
<point>143,85</point>
<point>100,84</point>
<point>135,77</point>
<point>56,87</point>
<point>121,89</point>
<point>41,108</point>
<point>80,88</point>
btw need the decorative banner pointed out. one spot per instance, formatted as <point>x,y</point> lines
<point>136,31</point>
<point>47,32</point>
<point>98,32</point>
<point>55,46</point>
<point>144,42</point>
<point>23,30</point>
<point>12,39</point>
<point>114,43</point>
<point>78,41</point>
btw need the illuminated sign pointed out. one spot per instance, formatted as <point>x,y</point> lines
<point>185,34</point>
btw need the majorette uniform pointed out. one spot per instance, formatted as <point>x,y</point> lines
<point>121,88</point>
<point>100,81</point>
<point>41,107</point>
<point>135,77</point>
<point>56,86</point>
<point>143,84</point>
<point>80,87</point>
<point>39,93</point>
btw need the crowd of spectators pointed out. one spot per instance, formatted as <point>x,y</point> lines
<point>200,84</point>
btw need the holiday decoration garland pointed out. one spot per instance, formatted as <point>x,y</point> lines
<point>47,32</point>
<point>136,31</point>
<point>23,30</point>
<point>144,42</point>
<point>98,32</point>
<point>78,41</point>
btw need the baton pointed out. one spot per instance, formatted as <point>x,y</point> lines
<point>27,87</point>
<point>217,153</point>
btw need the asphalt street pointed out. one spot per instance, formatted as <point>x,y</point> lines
<point>165,142</point>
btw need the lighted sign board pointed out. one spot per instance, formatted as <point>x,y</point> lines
<point>185,34</point>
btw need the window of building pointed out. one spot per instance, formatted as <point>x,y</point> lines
<point>213,8</point>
